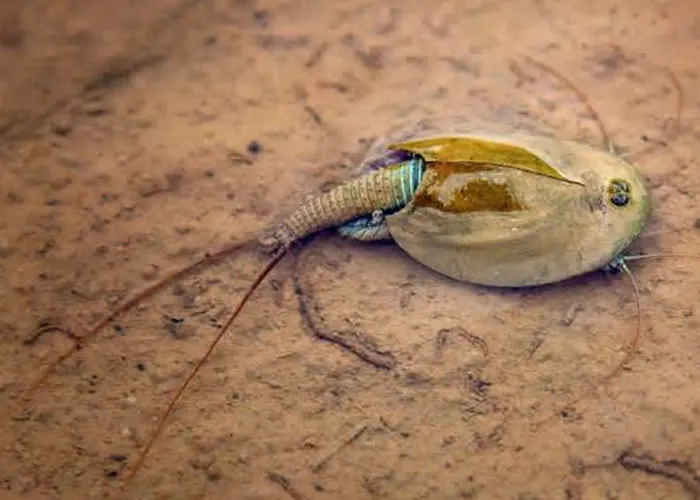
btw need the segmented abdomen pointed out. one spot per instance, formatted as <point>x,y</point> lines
<point>388,188</point>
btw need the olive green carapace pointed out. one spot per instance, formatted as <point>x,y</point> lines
<point>538,229</point>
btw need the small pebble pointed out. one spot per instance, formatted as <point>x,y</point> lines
<point>254,147</point>
<point>62,128</point>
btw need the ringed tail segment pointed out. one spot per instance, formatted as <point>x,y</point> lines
<point>450,149</point>
<point>386,189</point>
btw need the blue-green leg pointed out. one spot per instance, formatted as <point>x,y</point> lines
<point>369,228</point>
<point>405,179</point>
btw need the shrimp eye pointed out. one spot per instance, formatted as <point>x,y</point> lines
<point>620,199</point>
<point>618,192</point>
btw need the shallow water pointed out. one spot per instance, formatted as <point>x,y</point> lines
<point>128,149</point>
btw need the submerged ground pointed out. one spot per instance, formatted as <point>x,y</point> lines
<point>136,137</point>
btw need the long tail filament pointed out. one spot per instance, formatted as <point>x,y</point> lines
<point>79,342</point>
<point>160,425</point>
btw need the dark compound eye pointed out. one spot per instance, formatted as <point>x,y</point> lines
<point>619,192</point>
<point>620,199</point>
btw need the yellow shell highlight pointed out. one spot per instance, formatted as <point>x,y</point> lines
<point>480,151</point>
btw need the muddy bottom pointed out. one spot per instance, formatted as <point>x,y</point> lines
<point>137,138</point>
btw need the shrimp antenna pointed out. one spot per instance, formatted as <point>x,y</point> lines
<point>629,349</point>
<point>583,98</point>
<point>632,344</point>
<point>622,262</point>
<point>680,104</point>
<point>656,255</point>
<point>609,144</point>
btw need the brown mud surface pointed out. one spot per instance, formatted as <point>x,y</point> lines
<point>136,136</point>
